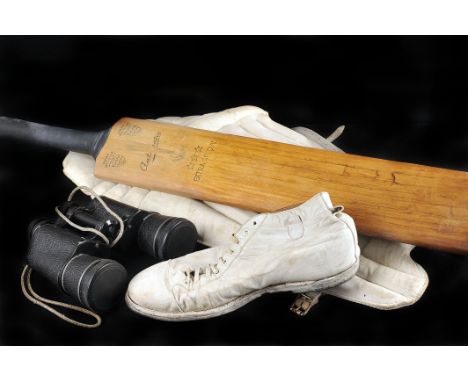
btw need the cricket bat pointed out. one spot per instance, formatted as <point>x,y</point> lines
<point>415,204</point>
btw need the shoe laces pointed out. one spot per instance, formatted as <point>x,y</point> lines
<point>194,275</point>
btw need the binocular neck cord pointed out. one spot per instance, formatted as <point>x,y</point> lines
<point>45,303</point>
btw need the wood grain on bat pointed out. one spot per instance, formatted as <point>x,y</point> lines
<point>411,203</point>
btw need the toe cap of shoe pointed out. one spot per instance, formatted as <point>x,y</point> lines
<point>149,291</point>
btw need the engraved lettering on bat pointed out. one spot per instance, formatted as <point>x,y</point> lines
<point>202,157</point>
<point>113,159</point>
<point>194,157</point>
<point>152,156</point>
<point>149,159</point>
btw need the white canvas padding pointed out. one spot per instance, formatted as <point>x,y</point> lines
<point>387,279</point>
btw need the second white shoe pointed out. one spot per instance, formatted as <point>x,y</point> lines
<point>307,248</point>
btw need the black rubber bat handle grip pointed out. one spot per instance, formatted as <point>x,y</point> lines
<point>86,142</point>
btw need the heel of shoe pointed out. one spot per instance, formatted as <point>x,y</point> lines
<point>317,285</point>
<point>349,222</point>
<point>332,281</point>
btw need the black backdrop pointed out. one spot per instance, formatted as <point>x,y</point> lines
<point>402,98</point>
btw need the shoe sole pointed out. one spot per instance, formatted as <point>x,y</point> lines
<point>298,287</point>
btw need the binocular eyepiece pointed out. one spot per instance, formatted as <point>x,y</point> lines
<point>79,262</point>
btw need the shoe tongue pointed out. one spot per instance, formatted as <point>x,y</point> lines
<point>326,198</point>
<point>316,204</point>
<point>250,226</point>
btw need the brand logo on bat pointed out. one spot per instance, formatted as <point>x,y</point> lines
<point>113,159</point>
<point>129,129</point>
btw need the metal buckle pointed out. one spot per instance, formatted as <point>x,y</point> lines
<point>302,304</point>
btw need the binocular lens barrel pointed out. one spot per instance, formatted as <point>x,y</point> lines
<point>98,284</point>
<point>166,237</point>
<point>95,282</point>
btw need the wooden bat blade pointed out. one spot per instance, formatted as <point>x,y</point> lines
<point>414,204</point>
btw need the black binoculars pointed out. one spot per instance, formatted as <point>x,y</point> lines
<point>79,262</point>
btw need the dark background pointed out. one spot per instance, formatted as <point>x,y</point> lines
<point>402,98</point>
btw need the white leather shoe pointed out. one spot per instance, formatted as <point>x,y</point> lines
<point>307,248</point>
